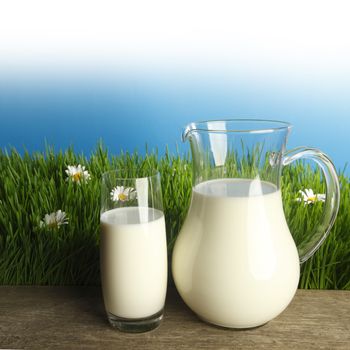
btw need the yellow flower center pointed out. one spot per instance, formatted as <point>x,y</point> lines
<point>122,196</point>
<point>312,199</point>
<point>77,176</point>
<point>53,224</point>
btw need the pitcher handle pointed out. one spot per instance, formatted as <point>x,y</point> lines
<point>332,195</point>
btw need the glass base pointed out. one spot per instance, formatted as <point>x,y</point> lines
<point>135,325</point>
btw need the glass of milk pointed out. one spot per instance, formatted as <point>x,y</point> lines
<point>133,250</point>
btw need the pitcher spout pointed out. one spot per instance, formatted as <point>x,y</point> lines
<point>187,132</point>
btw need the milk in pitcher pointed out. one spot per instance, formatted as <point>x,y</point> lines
<point>235,263</point>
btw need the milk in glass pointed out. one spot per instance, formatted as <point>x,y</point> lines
<point>133,261</point>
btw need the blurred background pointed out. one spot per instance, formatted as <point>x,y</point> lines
<point>136,72</point>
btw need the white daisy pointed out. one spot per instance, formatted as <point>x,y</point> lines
<point>309,197</point>
<point>123,194</point>
<point>77,173</point>
<point>54,220</point>
<point>274,158</point>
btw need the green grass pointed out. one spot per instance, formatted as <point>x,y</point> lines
<point>33,185</point>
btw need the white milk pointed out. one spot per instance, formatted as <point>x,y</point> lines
<point>133,261</point>
<point>235,263</point>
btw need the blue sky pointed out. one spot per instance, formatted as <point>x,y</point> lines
<point>138,75</point>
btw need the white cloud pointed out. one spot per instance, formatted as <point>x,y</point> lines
<point>146,34</point>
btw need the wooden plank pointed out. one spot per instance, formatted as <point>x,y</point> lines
<point>73,318</point>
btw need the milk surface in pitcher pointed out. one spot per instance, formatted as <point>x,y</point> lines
<point>235,263</point>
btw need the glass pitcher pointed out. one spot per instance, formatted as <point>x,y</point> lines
<point>235,263</point>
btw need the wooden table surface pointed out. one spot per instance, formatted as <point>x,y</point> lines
<point>73,318</point>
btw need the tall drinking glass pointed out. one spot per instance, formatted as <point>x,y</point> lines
<point>133,250</point>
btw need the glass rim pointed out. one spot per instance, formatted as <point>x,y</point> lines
<point>202,125</point>
<point>107,173</point>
